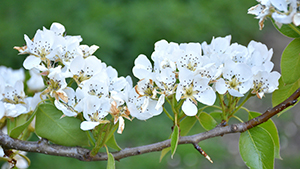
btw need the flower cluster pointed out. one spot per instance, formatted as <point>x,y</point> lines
<point>194,72</point>
<point>188,72</point>
<point>13,101</point>
<point>55,59</point>
<point>282,11</point>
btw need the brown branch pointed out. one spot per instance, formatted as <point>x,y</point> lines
<point>82,154</point>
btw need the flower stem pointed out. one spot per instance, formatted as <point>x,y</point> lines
<point>221,97</point>
<point>244,101</point>
<point>168,114</point>
<point>238,118</point>
<point>90,138</point>
<point>99,144</point>
<point>294,28</point>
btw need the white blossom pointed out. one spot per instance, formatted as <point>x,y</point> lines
<point>193,88</point>
<point>236,79</point>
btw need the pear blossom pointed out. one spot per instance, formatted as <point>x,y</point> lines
<point>21,163</point>
<point>40,49</point>
<point>94,111</point>
<point>57,28</point>
<point>193,88</point>
<point>83,69</point>
<point>259,58</point>
<point>142,67</point>
<point>67,107</point>
<point>11,76</point>
<point>13,98</point>
<point>142,108</point>
<point>237,79</point>
<point>165,55</point>
<point>36,81</point>
<point>265,82</point>
<point>190,57</point>
<point>68,50</point>
<point>88,51</point>
<point>216,52</point>
<point>166,81</point>
<point>119,110</point>
<point>282,11</point>
<point>93,87</point>
<point>115,82</point>
<point>57,82</point>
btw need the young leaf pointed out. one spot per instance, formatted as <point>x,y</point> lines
<point>174,140</point>
<point>217,116</point>
<point>272,129</point>
<point>186,125</point>
<point>288,30</point>
<point>12,123</point>
<point>290,62</point>
<point>112,143</point>
<point>15,132</point>
<point>283,92</point>
<point>164,152</point>
<point>257,148</point>
<point>110,162</point>
<point>64,131</point>
<point>207,121</point>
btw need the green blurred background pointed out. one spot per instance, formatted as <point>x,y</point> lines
<point>126,28</point>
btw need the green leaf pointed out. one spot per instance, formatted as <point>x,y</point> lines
<point>112,143</point>
<point>257,148</point>
<point>174,140</point>
<point>288,30</point>
<point>110,161</point>
<point>207,121</point>
<point>15,132</point>
<point>217,116</point>
<point>283,92</point>
<point>164,152</point>
<point>290,62</point>
<point>272,130</point>
<point>64,131</point>
<point>186,125</point>
<point>15,122</point>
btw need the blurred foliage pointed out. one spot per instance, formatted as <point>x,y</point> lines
<point>124,29</point>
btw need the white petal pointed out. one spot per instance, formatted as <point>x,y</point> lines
<point>142,67</point>
<point>121,125</point>
<point>235,93</point>
<point>296,19</point>
<point>57,28</point>
<point>280,5</point>
<point>36,81</point>
<point>2,109</point>
<point>207,97</point>
<point>64,109</point>
<point>220,86</point>
<point>88,125</point>
<point>160,102</point>
<point>145,104</point>
<point>31,62</point>
<point>189,108</point>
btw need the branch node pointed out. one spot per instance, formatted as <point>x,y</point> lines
<point>234,128</point>
<point>294,101</point>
